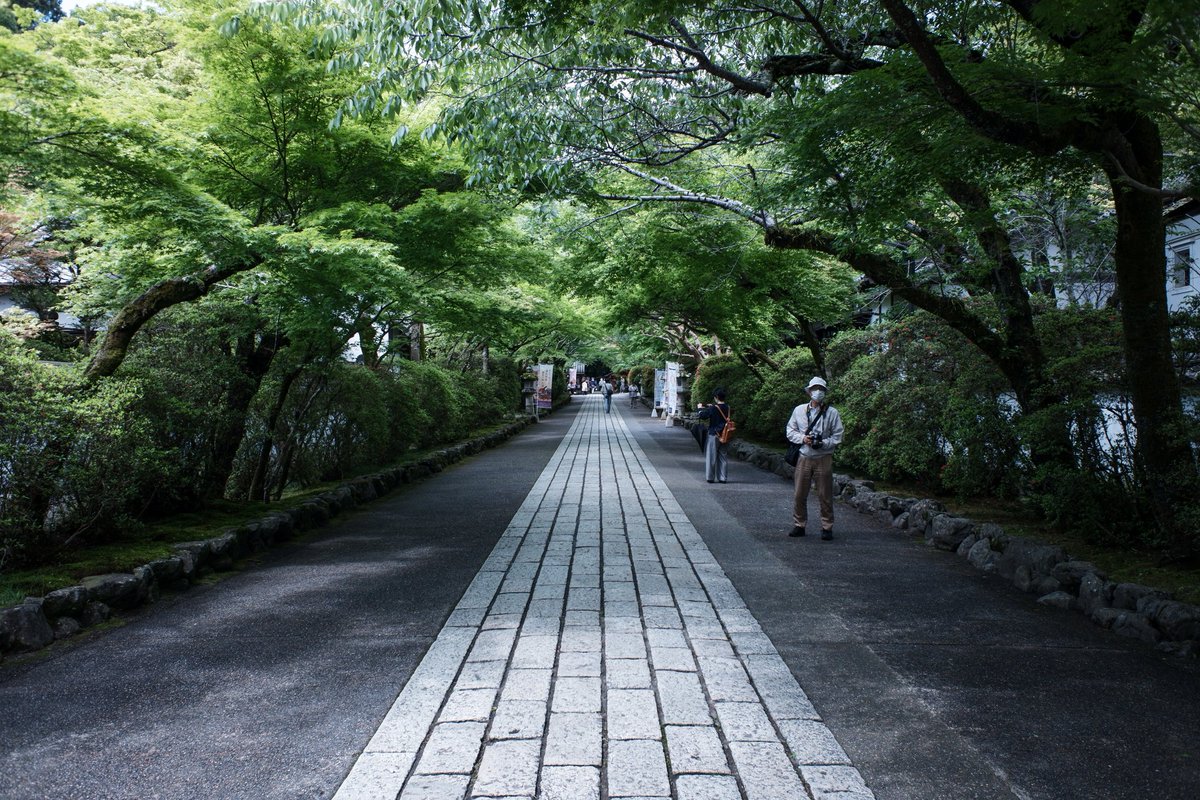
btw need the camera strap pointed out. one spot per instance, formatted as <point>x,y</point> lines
<point>812,422</point>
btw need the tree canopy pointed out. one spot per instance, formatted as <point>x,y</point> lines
<point>878,134</point>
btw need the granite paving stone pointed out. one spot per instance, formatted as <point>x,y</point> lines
<point>574,740</point>
<point>632,714</point>
<point>812,743</point>
<point>576,694</point>
<point>467,705</point>
<point>745,722</point>
<point>519,719</point>
<point>707,787</point>
<point>436,787</point>
<point>627,673</point>
<point>602,651</point>
<point>682,697</point>
<point>452,747</point>
<point>570,783</point>
<point>637,769</point>
<point>508,769</point>
<point>695,749</point>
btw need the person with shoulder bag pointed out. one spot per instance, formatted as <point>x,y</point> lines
<point>720,429</point>
<point>814,431</point>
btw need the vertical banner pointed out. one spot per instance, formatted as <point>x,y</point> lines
<point>571,377</point>
<point>659,387</point>
<point>545,382</point>
<point>672,388</point>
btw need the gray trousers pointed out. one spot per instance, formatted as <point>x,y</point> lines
<point>716,460</point>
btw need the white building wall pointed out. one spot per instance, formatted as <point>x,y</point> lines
<point>1183,261</point>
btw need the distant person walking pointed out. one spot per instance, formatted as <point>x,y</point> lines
<point>817,427</point>
<point>716,454</point>
<point>607,390</point>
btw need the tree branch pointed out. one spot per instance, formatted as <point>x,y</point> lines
<point>1028,11</point>
<point>990,123</point>
<point>136,313</point>
<point>739,82</point>
<point>788,65</point>
<point>1165,194</point>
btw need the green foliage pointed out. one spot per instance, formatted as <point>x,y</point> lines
<point>169,149</point>
<point>1185,340</point>
<point>185,364</point>
<point>81,469</point>
<point>75,467</point>
<point>506,378</point>
<point>1085,367</point>
<point>740,383</point>
<point>115,463</point>
<point>921,405</point>
<point>781,391</point>
<point>558,385</point>
<point>643,376</point>
<point>31,414</point>
<point>697,280</point>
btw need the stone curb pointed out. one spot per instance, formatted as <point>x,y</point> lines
<point>39,621</point>
<point>1060,581</point>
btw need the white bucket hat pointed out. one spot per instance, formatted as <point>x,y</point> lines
<point>817,381</point>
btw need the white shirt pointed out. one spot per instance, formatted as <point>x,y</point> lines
<point>829,427</point>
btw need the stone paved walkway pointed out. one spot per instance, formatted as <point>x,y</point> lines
<point>602,652</point>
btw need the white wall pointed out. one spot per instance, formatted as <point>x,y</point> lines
<point>1183,261</point>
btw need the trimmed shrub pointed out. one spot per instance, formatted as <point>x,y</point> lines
<point>643,377</point>
<point>781,391</point>
<point>921,405</point>
<point>727,372</point>
<point>73,468</point>
<point>81,465</point>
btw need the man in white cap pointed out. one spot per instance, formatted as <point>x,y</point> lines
<point>817,428</point>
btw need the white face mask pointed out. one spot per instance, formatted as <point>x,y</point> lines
<point>818,395</point>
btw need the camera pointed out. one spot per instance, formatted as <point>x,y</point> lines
<point>818,441</point>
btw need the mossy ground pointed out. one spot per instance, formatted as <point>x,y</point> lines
<point>143,543</point>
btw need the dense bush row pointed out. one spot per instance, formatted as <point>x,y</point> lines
<point>923,407</point>
<point>183,423</point>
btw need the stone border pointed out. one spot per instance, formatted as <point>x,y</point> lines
<point>39,621</point>
<point>1139,612</point>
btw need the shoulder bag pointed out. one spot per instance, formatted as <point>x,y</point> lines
<point>730,428</point>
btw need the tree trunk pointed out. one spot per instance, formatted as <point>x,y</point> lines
<point>808,334</point>
<point>368,342</point>
<point>258,485</point>
<point>1023,360</point>
<point>1164,457</point>
<point>416,338</point>
<point>255,362</point>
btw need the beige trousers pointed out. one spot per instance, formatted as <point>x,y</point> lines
<point>809,471</point>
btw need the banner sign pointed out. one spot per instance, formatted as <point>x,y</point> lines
<point>671,401</point>
<point>659,384</point>
<point>545,373</point>
<point>571,377</point>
